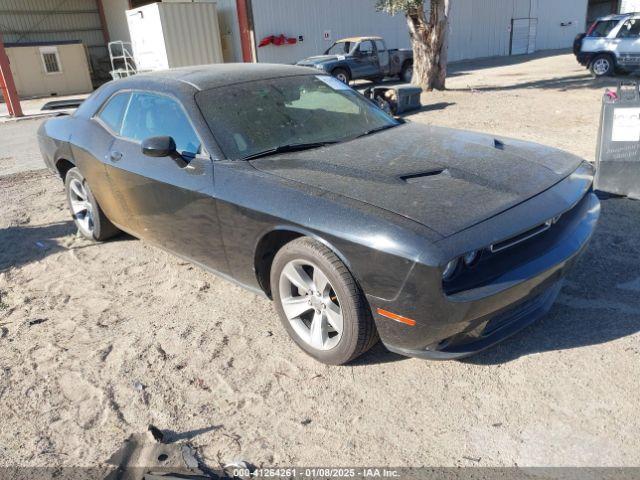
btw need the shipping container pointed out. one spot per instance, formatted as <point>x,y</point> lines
<point>171,35</point>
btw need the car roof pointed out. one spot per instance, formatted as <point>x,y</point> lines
<point>358,39</point>
<point>620,16</point>
<point>204,77</point>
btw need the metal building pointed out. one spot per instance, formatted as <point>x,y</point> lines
<point>479,28</point>
<point>29,22</point>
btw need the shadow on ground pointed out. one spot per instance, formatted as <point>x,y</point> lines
<point>24,244</point>
<point>580,81</point>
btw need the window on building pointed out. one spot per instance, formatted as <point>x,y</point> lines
<point>50,60</point>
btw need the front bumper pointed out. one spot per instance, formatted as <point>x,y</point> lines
<point>462,324</point>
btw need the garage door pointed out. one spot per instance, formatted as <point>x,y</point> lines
<point>523,35</point>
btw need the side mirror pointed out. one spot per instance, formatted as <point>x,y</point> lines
<point>159,147</point>
<point>163,147</point>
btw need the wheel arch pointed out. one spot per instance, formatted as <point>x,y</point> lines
<point>63,166</point>
<point>344,67</point>
<point>613,56</point>
<point>272,241</point>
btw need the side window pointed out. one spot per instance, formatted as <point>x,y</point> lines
<point>380,46</point>
<point>112,112</point>
<point>366,48</point>
<point>630,29</point>
<point>151,115</point>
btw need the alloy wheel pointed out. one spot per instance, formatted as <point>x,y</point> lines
<point>601,66</point>
<point>311,304</point>
<point>342,77</point>
<point>81,206</point>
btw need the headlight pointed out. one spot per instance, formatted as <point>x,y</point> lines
<point>450,269</point>
<point>320,66</point>
<point>471,257</point>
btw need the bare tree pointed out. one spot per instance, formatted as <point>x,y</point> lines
<point>429,38</point>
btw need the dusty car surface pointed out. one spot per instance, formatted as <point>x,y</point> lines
<point>366,58</point>
<point>440,242</point>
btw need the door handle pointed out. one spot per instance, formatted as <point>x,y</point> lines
<point>115,156</point>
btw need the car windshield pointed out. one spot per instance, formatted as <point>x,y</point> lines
<point>602,28</point>
<point>260,117</point>
<point>341,48</point>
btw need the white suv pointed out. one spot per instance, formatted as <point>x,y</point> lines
<point>611,44</point>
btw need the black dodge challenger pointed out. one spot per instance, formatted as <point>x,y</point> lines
<point>359,226</point>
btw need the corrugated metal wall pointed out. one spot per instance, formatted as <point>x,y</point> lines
<point>229,28</point>
<point>23,21</point>
<point>560,22</point>
<point>627,6</point>
<point>311,18</point>
<point>479,28</point>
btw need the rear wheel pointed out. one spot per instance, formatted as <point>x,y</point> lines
<point>342,75</point>
<point>602,65</point>
<point>406,75</point>
<point>320,304</point>
<point>87,214</point>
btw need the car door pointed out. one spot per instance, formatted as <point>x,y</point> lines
<point>91,144</point>
<point>383,57</point>
<point>628,43</point>
<point>365,61</point>
<point>172,204</point>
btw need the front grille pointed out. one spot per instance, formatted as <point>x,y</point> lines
<point>523,237</point>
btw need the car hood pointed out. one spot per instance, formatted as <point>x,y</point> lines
<point>318,59</point>
<point>445,179</point>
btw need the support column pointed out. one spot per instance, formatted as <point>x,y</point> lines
<point>7,85</point>
<point>246,36</point>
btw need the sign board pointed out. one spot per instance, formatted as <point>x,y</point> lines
<point>618,154</point>
<point>327,35</point>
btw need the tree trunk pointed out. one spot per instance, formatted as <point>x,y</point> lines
<point>429,42</point>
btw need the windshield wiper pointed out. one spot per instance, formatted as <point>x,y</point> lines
<point>292,147</point>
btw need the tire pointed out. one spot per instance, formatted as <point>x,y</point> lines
<point>314,328</point>
<point>91,221</point>
<point>602,65</point>
<point>342,75</point>
<point>406,74</point>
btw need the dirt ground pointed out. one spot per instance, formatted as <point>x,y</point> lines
<point>97,341</point>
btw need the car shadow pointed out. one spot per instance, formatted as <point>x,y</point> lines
<point>600,301</point>
<point>24,244</point>
<point>376,356</point>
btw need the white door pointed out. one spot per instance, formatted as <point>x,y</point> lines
<point>523,35</point>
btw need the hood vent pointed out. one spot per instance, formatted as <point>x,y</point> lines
<point>418,177</point>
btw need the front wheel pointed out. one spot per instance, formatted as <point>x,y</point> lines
<point>602,66</point>
<point>320,304</point>
<point>342,75</point>
<point>91,221</point>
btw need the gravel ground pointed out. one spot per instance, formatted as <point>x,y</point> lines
<point>98,341</point>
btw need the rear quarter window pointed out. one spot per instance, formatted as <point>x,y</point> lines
<point>602,28</point>
<point>112,113</point>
